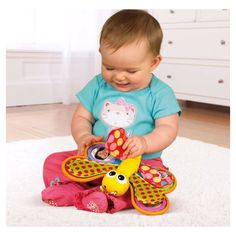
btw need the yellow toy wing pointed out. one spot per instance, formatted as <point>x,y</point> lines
<point>79,169</point>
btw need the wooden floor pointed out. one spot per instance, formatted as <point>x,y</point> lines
<point>202,122</point>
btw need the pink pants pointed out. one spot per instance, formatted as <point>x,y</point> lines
<point>61,191</point>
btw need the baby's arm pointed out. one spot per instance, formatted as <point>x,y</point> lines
<point>81,128</point>
<point>160,138</point>
<point>163,135</point>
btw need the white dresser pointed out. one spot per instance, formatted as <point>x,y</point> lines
<point>195,54</point>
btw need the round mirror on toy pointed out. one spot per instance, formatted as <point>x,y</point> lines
<point>98,152</point>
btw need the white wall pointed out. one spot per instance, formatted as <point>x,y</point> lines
<point>39,77</point>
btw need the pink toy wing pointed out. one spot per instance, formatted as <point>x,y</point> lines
<point>159,177</point>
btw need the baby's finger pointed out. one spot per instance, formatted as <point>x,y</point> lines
<point>129,148</point>
<point>87,142</point>
<point>123,157</point>
<point>81,148</point>
<point>98,138</point>
<point>127,143</point>
<point>90,140</point>
<point>80,151</point>
<point>134,154</point>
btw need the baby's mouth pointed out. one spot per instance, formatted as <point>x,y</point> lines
<point>122,85</point>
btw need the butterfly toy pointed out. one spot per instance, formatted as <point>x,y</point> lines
<point>148,184</point>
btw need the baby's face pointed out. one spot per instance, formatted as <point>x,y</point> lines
<point>128,68</point>
<point>103,153</point>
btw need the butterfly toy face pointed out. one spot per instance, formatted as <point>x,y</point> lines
<point>115,183</point>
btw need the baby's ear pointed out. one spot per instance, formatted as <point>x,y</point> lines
<point>156,61</point>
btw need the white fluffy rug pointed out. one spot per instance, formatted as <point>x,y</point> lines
<point>200,199</point>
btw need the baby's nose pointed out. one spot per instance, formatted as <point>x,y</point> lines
<point>120,77</point>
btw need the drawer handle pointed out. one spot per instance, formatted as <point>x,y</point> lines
<point>222,42</point>
<point>170,42</point>
<point>220,81</point>
<point>169,76</point>
<point>172,11</point>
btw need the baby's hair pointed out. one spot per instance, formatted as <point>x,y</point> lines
<point>128,26</point>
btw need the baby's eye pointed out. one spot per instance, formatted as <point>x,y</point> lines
<point>132,71</point>
<point>108,68</point>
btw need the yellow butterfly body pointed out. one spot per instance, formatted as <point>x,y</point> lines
<point>117,181</point>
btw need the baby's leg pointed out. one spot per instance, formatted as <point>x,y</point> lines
<point>52,174</point>
<point>97,201</point>
<point>59,189</point>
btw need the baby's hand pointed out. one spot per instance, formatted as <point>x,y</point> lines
<point>134,146</point>
<point>87,140</point>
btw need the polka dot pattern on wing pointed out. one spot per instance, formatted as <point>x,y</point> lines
<point>116,139</point>
<point>115,153</point>
<point>117,134</point>
<point>120,141</point>
<point>156,176</point>
<point>83,168</point>
<point>145,192</point>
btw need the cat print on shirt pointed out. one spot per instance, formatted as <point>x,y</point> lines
<point>118,115</point>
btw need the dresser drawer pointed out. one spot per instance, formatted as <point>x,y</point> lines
<point>199,43</point>
<point>205,81</point>
<point>212,15</point>
<point>173,15</point>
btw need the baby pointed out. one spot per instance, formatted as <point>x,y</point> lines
<point>125,95</point>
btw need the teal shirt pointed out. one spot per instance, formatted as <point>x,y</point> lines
<point>135,111</point>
